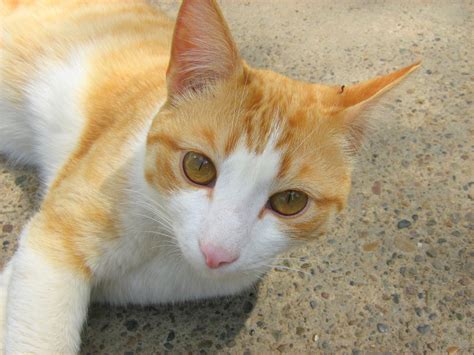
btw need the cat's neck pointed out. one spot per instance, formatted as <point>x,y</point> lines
<point>142,233</point>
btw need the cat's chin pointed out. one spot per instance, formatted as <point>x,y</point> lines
<point>229,273</point>
<point>226,272</point>
<point>216,274</point>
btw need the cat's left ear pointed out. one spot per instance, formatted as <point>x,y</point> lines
<point>203,50</point>
<point>356,99</point>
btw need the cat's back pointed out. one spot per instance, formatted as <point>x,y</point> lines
<point>34,31</point>
<point>82,71</point>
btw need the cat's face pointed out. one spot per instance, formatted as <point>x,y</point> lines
<point>249,161</point>
<point>256,136</point>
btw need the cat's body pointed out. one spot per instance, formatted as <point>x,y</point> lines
<point>45,129</point>
<point>85,96</point>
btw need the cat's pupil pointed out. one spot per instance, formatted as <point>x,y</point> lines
<point>198,168</point>
<point>292,195</point>
<point>288,202</point>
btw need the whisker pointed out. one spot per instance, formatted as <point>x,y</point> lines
<point>145,197</point>
<point>173,248</point>
<point>159,233</point>
<point>300,259</point>
<point>155,220</point>
<point>281,267</point>
<point>151,208</point>
<point>260,265</point>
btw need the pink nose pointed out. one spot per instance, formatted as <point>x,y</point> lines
<point>216,256</point>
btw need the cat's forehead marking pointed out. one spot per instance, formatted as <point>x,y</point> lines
<point>248,170</point>
<point>265,112</point>
<point>272,99</point>
<point>258,166</point>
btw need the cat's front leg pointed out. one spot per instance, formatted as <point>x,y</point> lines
<point>47,302</point>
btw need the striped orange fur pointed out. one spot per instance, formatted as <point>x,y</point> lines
<point>122,93</point>
<point>108,98</point>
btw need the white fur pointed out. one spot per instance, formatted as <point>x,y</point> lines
<point>5,277</point>
<point>159,259</point>
<point>43,308</point>
<point>230,219</point>
<point>46,305</point>
<point>156,258</point>
<point>44,129</point>
<point>54,100</point>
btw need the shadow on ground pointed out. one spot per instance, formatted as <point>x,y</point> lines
<point>188,327</point>
<point>395,274</point>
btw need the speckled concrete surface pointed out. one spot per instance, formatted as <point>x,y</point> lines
<point>395,275</point>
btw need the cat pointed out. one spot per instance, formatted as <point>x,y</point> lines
<point>171,169</point>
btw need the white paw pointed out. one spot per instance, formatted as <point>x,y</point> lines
<point>4,282</point>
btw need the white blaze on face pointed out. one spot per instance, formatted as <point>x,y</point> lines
<point>241,192</point>
<point>229,220</point>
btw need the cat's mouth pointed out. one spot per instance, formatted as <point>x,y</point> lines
<point>224,271</point>
<point>228,272</point>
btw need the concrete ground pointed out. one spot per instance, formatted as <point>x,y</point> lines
<point>395,274</point>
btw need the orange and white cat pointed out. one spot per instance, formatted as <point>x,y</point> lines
<point>172,170</point>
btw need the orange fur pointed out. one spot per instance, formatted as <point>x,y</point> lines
<point>127,79</point>
<point>312,123</point>
<point>79,211</point>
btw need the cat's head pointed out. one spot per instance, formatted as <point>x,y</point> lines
<point>249,161</point>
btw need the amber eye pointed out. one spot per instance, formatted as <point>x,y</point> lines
<point>199,168</point>
<point>289,202</point>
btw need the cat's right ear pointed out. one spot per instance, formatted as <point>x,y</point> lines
<point>203,50</point>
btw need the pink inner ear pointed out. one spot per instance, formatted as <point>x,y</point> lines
<point>203,50</point>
